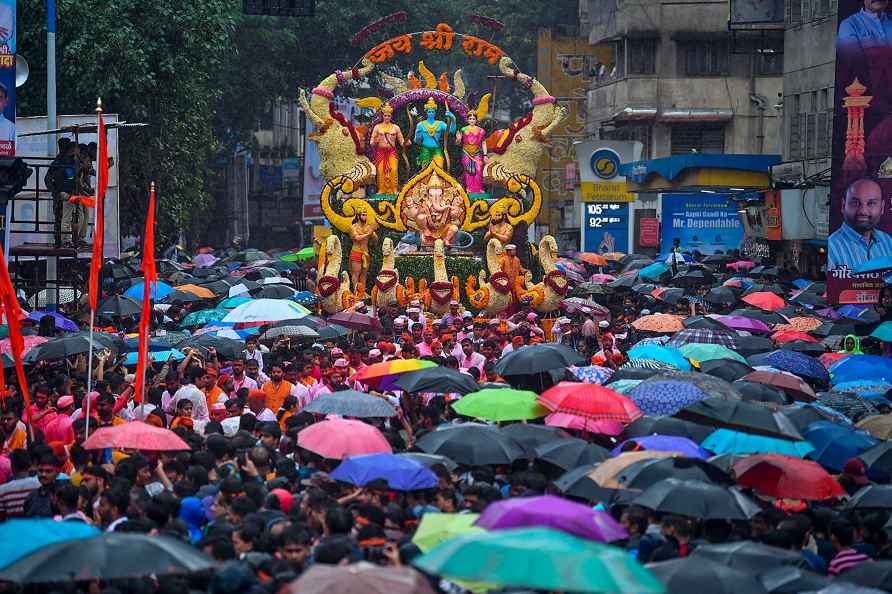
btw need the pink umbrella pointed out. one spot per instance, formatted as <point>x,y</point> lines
<point>31,341</point>
<point>602,278</point>
<point>568,421</point>
<point>339,438</point>
<point>741,264</point>
<point>136,435</point>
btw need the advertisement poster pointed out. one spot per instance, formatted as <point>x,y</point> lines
<point>7,78</point>
<point>649,232</point>
<point>703,223</point>
<point>861,185</point>
<point>599,163</point>
<point>606,227</point>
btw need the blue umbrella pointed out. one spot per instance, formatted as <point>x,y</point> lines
<point>653,271</point>
<point>624,386</point>
<point>883,332</point>
<point>155,345</point>
<point>859,367</point>
<point>835,444</point>
<point>801,283</point>
<point>19,538</point>
<point>159,291</point>
<point>881,264</point>
<point>726,441</point>
<point>665,397</point>
<point>864,388</point>
<point>233,302</point>
<point>305,298</point>
<point>794,362</point>
<point>663,443</point>
<point>669,355</point>
<point>861,313</point>
<point>158,356</point>
<point>593,374</point>
<point>401,474</point>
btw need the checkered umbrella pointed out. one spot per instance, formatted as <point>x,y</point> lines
<point>703,336</point>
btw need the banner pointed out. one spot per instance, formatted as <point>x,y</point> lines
<point>599,162</point>
<point>704,223</point>
<point>606,227</point>
<point>861,184</point>
<point>7,78</point>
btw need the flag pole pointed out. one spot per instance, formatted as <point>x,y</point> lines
<point>145,336</point>
<point>99,142</point>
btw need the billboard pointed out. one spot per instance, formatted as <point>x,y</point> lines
<point>704,223</point>
<point>7,78</point>
<point>599,163</point>
<point>605,227</point>
<point>861,184</point>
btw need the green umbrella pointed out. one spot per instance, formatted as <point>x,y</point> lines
<point>202,317</point>
<point>500,404</point>
<point>304,254</point>
<point>540,559</point>
<point>707,352</point>
<point>233,302</point>
<point>436,528</point>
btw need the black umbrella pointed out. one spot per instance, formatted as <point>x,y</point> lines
<point>717,259</point>
<point>646,473</point>
<point>687,575</point>
<point>750,556</point>
<point>740,416</point>
<point>530,436</point>
<point>430,460</point>
<point>113,342</point>
<point>671,296</point>
<point>182,297</point>
<point>537,358</point>
<point>792,580</point>
<point>571,453</point>
<point>834,329</point>
<point>274,292</point>
<point>803,416</point>
<point>767,317</point>
<point>878,461</point>
<point>112,556</point>
<point>437,380</point>
<point>703,323</point>
<point>726,461</point>
<point>644,288</point>
<point>873,574</point>
<point>350,403</point>
<point>808,298</point>
<point>471,444</point>
<point>753,345</point>
<point>118,305</point>
<point>715,387</point>
<point>577,483</point>
<point>331,332</point>
<point>591,289</point>
<point>756,392</point>
<point>637,264</point>
<point>644,426</point>
<point>803,346</point>
<point>624,281</point>
<point>722,296</point>
<point>770,271</point>
<point>694,277</point>
<point>726,369</point>
<point>227,348</point>
<point>60,348</point>
<point>762,288</point>
<point>697,499</point>
<point>872,497</point>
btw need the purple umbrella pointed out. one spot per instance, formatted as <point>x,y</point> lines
<point>664,443</point>
<point>744,323</point>
<point>829,313</point>
<point>62,323</point>
<point>204,260</point>
<point>552,512</point>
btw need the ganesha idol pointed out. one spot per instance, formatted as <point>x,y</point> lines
<point>434,207</point>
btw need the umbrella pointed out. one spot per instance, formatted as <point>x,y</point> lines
<point>710,352</point>
<point>436,528</point>
<point>703,336</point>
<point>721,296</point>
<point>665,397</point>
<point>382,376</point>
<point>260,311</point>
<point>879,426</point>
<point>500,404</point>
<point>577,423</point>
<point>331,332</point>
<point>181,297</point>
<point>552,512</point>
<point>792,580</point>
<point>111,556</point>
<point>203,317</point>
<point>782,336</point>
<point>136,435</point>
<point>118,305</point>
<point>863,388</point>
<point>669,355</point>
<point>683,576</point>
<point>872,497</point>
<point>201,292</point>
<point>21,537</point>
<point>437,380</point>
<point>537,358</point>
<point>801,323</point>
<point>800,346</point>
<point>570,453</point>
<point>578,483</point>
<point>835,444</point>
<point>740,416</point>
<point>400,474</point>
<point>625,280</point>
<point>697,499</point>
<point>663,323</point>
<point>861,314</point>
<point>275,292</point>
<point>789,383</point>
<point>30,342</point>
<point>227,348</point>
<point>605,474</point>
<point>60,348</point>
<point>640,369</point>
<point>876,574</point>
<point>341,438</point>
<point>703,323</point>
<point>883,332</point>
<point>855,367</point>
<point>786,477</point>
<point>359,578</point>
<point>350,403</point>
<point>592,374</point>
<point>132,358</point>
<point>653,271</point>
<point>529,436</point>
<point>753,345</point>
<point>296,332</point>
<point>160,290</point>
<point>726,369</point>
<point>744,323</point>
<point>756,392</point>
<point>60,321</point>
<point>749,556</point>
<point>651,425</point>
<point>834,329</point>
<point>357,321</point>
<point>802,415</point>
<point>662,443</point>
<point>694,277</point>
<point>590,401</point>
<point>540,559</point>
<point>767,317</point>
<point>726,441</point>
<point>646,473</point>
<point>593,259</point>
<point>798,363</point>
<point>471,444</point>
<point>302,254</point>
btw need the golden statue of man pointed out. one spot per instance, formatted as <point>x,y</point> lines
<point>386,136</point>
<point>360,232</point>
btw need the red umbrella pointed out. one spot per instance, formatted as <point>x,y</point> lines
<point>568,421</point>
<point>782,336</point>
<point>765,300</point>
<point>828,359</point>
<point>789,383</point>
<point>136,435</point>
<point>339,438</point>
<point>590,401</point>
<point>786,477</point>
<point>357,321</point>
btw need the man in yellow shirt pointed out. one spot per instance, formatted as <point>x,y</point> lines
<point>276,389</point>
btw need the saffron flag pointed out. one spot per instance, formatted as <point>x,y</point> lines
<point>13,311</point>
<point>99,231</point>
<point>151,278</point>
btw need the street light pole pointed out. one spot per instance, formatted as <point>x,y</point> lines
<point>52,289</point>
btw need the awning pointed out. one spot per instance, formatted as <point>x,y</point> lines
<point>670,167</point>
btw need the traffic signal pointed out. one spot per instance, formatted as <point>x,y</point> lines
<point>14,174</point>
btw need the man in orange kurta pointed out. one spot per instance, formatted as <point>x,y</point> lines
<point>276,389</point>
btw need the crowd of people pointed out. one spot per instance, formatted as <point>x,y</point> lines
<point>265,509</point>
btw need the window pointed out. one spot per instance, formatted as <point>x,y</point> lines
<point>705,58</point>
<point>642,56</point>
<point>793,9</point>
<point>698,138</point>
<point>639,132</point>
<point>770,64</point>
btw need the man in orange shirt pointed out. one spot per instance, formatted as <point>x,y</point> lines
<point>14,438</point>
<point>212,392</point>
<point>276,389</point>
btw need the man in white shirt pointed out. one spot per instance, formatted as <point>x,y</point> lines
<point>468,357</point>
<point>239,379</point>
<point>7,128</point>
<point>193,393</point>
<point>252,352</point>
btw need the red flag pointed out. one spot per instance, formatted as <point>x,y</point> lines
<point>99,231</point>
<point>13,312</point>
<point>151,277</point>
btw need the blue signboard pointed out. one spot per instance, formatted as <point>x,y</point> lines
<point>7,78</point>
<point>606,226</point>
<point>704,223</point>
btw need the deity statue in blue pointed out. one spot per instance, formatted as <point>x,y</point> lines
<point>429,136</point>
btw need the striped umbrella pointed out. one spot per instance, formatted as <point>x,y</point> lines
<point>703,336</point>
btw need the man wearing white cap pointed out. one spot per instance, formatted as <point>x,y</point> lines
<point>453,316</point>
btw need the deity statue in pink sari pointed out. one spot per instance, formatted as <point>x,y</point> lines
<point>473,148</point>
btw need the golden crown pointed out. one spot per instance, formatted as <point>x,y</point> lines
<point>431,104</point>
<point>386,108</point>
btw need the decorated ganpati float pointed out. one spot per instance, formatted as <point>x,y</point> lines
<point>435,190</point>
